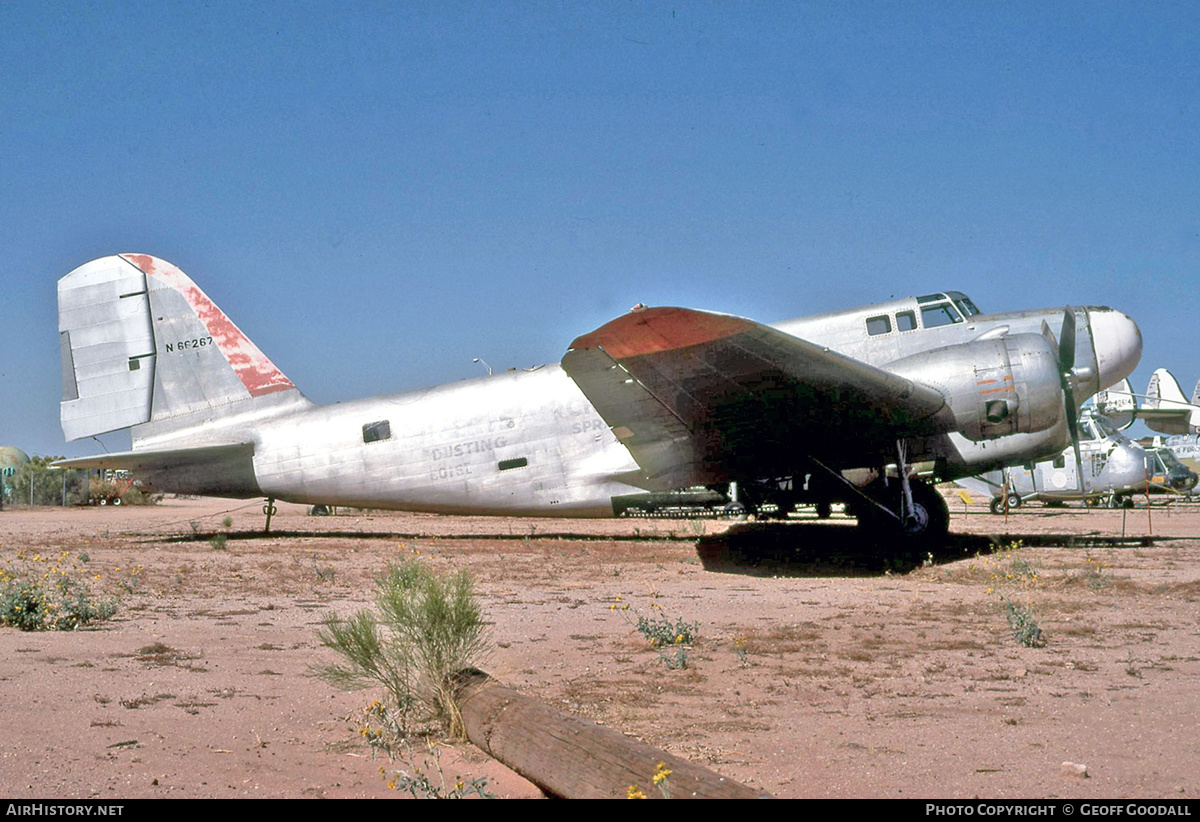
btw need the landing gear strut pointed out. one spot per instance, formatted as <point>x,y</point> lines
<point>907,510</point>
<point>269,510</point>
<point>923,525</point>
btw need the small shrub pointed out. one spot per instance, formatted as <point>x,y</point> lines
<point>426,629</point>
<point>38,594</point>
<point>660,630</point>
<point>1023,623</point>
<point>423,777</point>
<point>324,573</point>
<point>1093,574</point>
<point>217,541</point>
<point>670,638</point>
<point>742,650</point>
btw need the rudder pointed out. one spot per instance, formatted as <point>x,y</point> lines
<point>143,346</point>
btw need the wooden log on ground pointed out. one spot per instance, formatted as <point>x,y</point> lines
<point>571,757</point>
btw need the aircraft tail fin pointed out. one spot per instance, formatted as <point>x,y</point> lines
<point>144,347</point>
<point>1163,387</point>
<point>1118,404</point>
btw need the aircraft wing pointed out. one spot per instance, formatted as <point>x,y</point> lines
<point>700,397</point>
<point>221,470</point>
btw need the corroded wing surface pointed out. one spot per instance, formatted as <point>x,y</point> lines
<point>700,397</point>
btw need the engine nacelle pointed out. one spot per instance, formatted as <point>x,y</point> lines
<point>993,387</point>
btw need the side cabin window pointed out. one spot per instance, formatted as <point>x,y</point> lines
<point>376,431</point>
<point>878,325</point>
<point>1060,461</point>
<point>906,321</point>
<point>933,316</point>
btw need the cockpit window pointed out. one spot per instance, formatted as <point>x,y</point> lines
<point>967,307</point>
<point>933,316</point>
<point>906,321</point>
<point>878,325</point>
<point>1169,459</point>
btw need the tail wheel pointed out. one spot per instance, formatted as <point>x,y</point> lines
<point>999,505</point>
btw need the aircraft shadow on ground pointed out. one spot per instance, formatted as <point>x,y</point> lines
<point>816,549</point>
<point>811,549</point>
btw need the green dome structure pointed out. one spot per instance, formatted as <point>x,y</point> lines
<point>11,460</point>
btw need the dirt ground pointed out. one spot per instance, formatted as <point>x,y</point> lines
<point>821,669</point>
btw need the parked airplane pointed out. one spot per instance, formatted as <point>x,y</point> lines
<point>1118,404</point>
<point>1166,410</point>
<point>817,409</point>
<point>1113,468</point>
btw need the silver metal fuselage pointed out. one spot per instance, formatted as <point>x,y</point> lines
<point>521,442</point>
<point>529,443</point>
<point>925,379</point>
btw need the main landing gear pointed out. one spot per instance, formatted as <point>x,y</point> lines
<point>914,518</point>
<point>903,511</point>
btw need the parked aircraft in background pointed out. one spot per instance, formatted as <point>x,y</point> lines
<point>848,406</point>
<point>1110,468</point>
<point>1165,408</point>
<point>1118,404</point>
<point>1168,474</point>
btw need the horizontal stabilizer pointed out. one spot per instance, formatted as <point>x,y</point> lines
<point>222,470</point>
<point>1166,410</point>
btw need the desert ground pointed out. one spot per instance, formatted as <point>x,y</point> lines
<point>821,668</point>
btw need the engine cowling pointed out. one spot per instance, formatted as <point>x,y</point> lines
<point>993,387</point>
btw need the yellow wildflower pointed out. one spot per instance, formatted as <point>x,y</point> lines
<point>661,772</point>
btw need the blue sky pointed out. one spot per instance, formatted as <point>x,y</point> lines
<point>377,193</point>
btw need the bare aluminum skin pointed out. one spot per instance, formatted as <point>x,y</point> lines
<point>144,348</point>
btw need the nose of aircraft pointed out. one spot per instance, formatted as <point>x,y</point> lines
<point>1118,344</point>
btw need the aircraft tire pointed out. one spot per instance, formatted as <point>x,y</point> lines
<point>998,505</point>
<point>934,514</point>
<point>927,531</point>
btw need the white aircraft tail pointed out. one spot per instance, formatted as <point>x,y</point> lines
<point>144,347</point>
<point>1163,387</point>
<point>1117,404</point>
